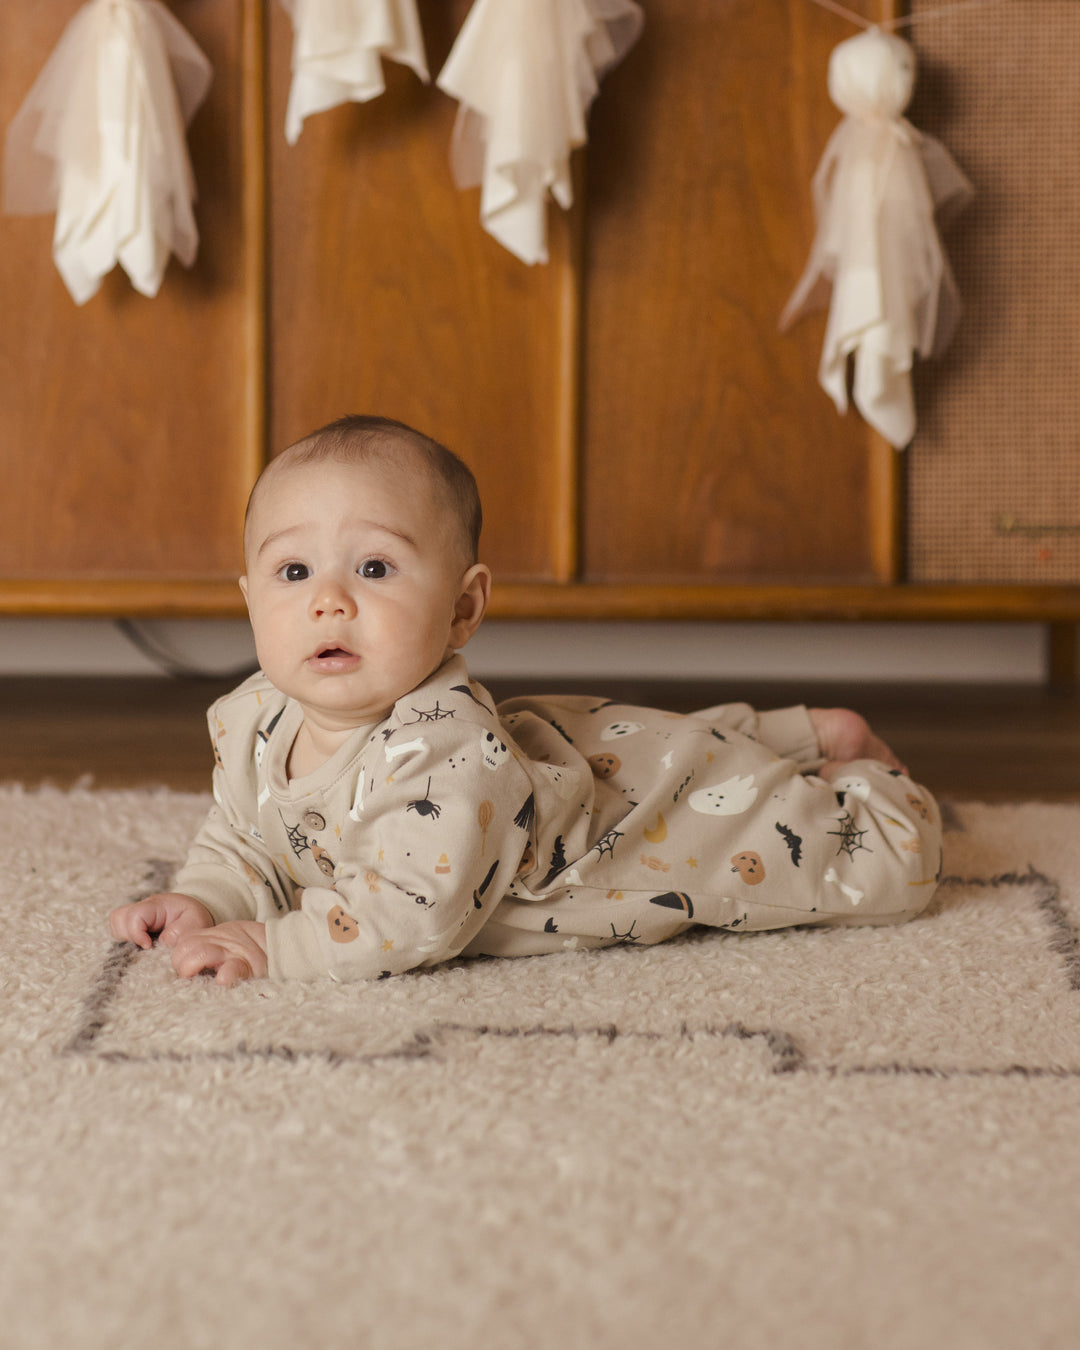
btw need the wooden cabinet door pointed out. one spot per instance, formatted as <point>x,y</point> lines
<point>710,454</point>
<point>126,425</point>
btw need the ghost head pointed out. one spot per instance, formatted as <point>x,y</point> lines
<point>494,752</point>
<point>729,798</point>
<point>561,779</point>
<point>619,729</point>
<point>872,76</point>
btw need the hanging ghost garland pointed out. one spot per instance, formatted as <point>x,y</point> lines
<point>877,191</point>
<point>337,51</point>
<point>525,73</point>
<point>100,139</point>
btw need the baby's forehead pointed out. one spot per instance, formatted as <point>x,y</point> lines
<point>376,490</point>
<point>392,468</point>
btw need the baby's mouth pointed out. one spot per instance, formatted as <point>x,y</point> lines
<point>332,655</point>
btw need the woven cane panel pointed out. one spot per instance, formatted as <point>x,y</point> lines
<point>994,474</point>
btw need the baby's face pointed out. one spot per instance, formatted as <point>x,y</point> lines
<point>352,586</point>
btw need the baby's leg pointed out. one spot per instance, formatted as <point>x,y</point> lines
<point>844,735</point>
<point>879,857</point>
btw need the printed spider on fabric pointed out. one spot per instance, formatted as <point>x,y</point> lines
<point>424,806</point>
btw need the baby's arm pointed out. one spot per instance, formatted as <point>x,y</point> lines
<point>413,887</point>
<point>168,915</point>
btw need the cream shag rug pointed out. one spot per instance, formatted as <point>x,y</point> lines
<point>860,1138</point>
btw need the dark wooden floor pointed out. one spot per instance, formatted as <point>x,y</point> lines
<point>988,742</point>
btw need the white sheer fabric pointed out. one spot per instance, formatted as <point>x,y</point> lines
<point>338,47</point>
<point>525,74</point>
<point>100,139</point>
<point>876,191</point>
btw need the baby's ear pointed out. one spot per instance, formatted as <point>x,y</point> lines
<point>243,583</point>
<point>471,605</point>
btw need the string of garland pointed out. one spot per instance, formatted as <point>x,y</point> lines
<point>902,20</point>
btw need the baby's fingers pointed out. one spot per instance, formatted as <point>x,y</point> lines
<point>181,927</point>
<point>140,937</point>
<point>232,951</point>
<point>232,970</point>
<point>193,954</point>
<point>126,924</point>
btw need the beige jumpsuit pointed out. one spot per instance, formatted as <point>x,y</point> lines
<point>546,825</point>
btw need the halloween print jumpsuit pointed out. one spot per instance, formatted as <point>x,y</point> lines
<point>544,825</point>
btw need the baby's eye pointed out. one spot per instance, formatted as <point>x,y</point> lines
<point>295,572</point>
<point>374,569</point>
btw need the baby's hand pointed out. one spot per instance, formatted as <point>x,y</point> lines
<point>236,951</point>
<point>169,915</point>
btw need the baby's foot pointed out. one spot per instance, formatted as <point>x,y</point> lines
<point>844,735</point>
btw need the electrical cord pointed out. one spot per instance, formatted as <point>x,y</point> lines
<point>171,665</point>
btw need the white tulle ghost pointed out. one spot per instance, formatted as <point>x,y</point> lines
<point>338,46</point>
<point>525,73</point>
<point>876,191</point>
<point>100,139</point>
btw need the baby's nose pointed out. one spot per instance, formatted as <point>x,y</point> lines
<point>333,598</point>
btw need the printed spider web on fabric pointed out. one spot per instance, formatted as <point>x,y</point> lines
<point>606,845</point>
<point>851,838</point>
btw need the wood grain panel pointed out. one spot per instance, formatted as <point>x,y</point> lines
<point>388,297</point>
<point>123,424</point>
<point>146,598</point>
<point>711,453</point>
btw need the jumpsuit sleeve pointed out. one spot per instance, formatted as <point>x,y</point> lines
<point>433,851</point>
<point>227,868</point>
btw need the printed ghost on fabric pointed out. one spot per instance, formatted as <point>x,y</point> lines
<point>547,824</point>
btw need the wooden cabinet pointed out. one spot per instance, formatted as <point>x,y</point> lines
<point>646,442</point>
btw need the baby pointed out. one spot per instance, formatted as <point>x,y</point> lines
<point>375,812</point>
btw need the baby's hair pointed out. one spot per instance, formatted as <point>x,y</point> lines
<point>358,438</point>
